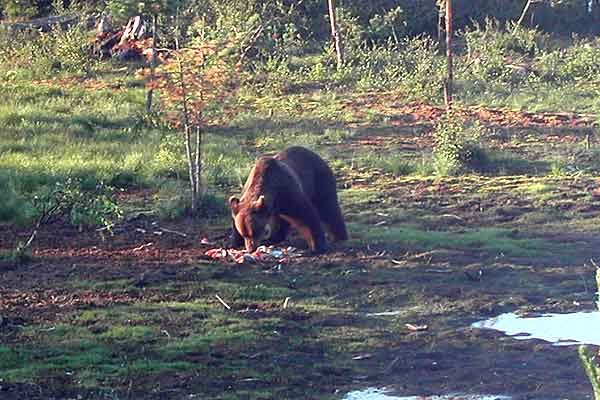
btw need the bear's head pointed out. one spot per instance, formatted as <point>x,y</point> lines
<point>253,220</point>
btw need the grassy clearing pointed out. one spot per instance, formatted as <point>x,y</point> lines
<point>491,240</point>
<point>50,133</point>
<point>531,184</point>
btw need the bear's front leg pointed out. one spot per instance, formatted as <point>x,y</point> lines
<point>279,231</point>
<point>305,219</point>
<point>235,240</point>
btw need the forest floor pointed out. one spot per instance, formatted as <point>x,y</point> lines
<point>137,315</point>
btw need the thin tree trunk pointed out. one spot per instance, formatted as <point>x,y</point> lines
<point>335,34</point>
<point>449,77</point>
<point>440,24</point>
<point>524,13</point>
<point>188,139</point>
<point>191,169</point>
<point>152,63</point>
<point>198,165</point>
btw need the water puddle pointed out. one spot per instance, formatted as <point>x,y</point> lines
<point>380,394</point>
<point>559,329</point>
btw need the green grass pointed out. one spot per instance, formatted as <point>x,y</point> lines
<point>94,364</point>
<point>490,240</point>
<point>580,98</point>
<point>50,134</point>
<point>101,356</point>
<point>394,163</point>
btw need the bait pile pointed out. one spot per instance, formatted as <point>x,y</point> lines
<point>263,254</point>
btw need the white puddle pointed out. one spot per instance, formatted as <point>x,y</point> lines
<point>559,329</point>
<point>380,394</point>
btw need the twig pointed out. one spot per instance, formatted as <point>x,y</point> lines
<point>222,302</point>
<point>452,216</point>
<point>256,34</point>
<point>524,13</point>
<point>388,369</point>
<point>174,232</point>
<point>129,388</point>
<point>416,328</point>
<point>142,247</point>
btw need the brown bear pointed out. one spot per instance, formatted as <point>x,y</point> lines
<point>293,188</point>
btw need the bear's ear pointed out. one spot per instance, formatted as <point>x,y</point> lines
<point>260,202</point>
<point>234,203</point>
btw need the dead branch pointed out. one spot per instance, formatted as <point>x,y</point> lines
<point>173,232</point>
<point>222,302</point>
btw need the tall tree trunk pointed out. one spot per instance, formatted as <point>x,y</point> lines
<point>152,63</point>
<point>191,156</point>
<point>449,76</point>
<point>335,34</point>
<point>440,24</point>
<point>198,163</point>
<point>525,11</point>
<point>191,167</point>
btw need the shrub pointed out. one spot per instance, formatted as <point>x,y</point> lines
<point>17,10</point>
<point>169,161</point>
<point>581,61</point>
<point>41,53</point>
<point>500,54</point>
<point>456,145</point>
<point>13,206</point>
<point>578,62</point>
<point>67,200</point>
<point>272,75</point>
<point>173,202</point>
<point>391,24</point>
<point>413,65</point>
<point>509,40</point>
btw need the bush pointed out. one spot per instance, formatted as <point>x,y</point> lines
<point>173,202</point>
<point>578,62</point>
<point>66,200</point>
<point>273,75</point>
<point>41,53</point>
<point>18,10</point>
<point>391,24</point>
<point>581,61</point>
<point>456,145</point>
<point>500,54</point>
<point>413,65</point>
<point>13,206</point>
<point>170,161</point>
<point>509,40</point>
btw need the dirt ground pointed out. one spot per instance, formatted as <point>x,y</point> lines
<point>335,346</point>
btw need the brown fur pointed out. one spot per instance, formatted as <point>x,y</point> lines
<point>293,188</point>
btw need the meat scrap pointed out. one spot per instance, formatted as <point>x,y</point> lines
<point>262,255</point>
